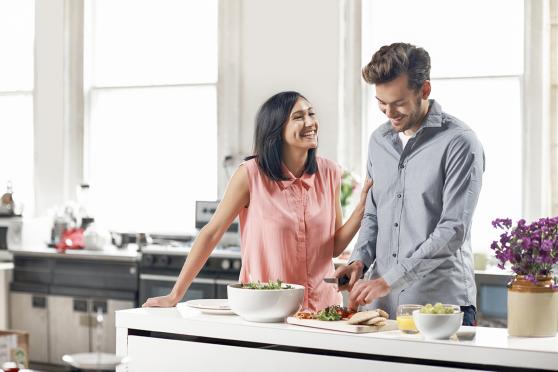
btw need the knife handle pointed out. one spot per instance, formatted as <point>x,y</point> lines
<point>344,280</point>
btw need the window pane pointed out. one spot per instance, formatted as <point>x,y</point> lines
<point>145,42</point>
<point>463,38</point>
<point>496,119</point>
<point>17,30</point>
<point>16,148</point>
<point>153,152</point>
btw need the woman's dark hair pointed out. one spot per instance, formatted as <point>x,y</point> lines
<point>398,58</point>
<point>268,139</point>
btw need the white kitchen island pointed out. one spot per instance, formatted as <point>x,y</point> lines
<point>168,340</point>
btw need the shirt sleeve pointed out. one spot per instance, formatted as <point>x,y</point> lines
<point>365,247</point>
<point>464,166</point>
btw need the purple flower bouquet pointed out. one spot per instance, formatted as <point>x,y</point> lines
<point>531,249</point>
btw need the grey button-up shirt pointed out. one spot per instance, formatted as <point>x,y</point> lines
<point>417,223</point>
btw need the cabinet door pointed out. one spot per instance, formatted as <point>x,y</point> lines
<point>106,333</point>
<point>69,323</point>
<point>5,279</point>
<point>177,355</point>
<point>29,313</point>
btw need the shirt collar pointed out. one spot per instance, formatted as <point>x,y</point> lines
<point>307,180</point>
<point>433,119</point>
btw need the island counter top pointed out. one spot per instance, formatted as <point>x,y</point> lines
<point>476,348</point>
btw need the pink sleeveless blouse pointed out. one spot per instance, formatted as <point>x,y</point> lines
<point>287,231</point>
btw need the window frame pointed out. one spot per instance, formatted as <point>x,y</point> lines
<point>227,88</point>
<point>60,131</point>
<point>28,204</point>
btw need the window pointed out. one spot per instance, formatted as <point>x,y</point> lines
<point>17,21</point>
<point>477,72</point>
<point>151,132</point>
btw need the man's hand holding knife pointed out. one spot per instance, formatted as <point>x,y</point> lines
<point>364,291</point>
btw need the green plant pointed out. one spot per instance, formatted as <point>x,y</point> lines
<point>348,186</point>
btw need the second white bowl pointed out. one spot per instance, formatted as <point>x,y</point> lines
<point>437,326</point>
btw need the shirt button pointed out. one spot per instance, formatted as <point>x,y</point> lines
<point>394,255</point>
<point>398,195</point>
<point>396,224</point>
<point>401,166</point>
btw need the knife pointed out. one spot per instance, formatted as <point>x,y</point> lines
<point>339,281</point>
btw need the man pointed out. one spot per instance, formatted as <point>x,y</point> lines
<point>427,169</point>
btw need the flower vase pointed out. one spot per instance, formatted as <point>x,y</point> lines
<point>532,307</point>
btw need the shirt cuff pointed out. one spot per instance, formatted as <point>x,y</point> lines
<point>358,255</point>
<point>396,278</point>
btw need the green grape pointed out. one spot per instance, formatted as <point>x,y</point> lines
<point>438,308</point>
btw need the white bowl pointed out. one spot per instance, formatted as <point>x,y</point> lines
<point>265,305</point>
<point>437,326</point>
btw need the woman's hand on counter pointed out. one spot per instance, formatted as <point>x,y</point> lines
<point>161,301</point>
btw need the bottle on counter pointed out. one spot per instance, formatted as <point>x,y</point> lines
<point>7,205</point>
<point>84,209</point>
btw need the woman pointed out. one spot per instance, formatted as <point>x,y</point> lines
<point>288,202</point>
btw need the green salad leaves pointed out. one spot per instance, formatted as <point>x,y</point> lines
<point>278,284</point>
<point>329,313</point>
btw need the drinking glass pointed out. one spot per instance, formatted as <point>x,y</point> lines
<point>404,318</point>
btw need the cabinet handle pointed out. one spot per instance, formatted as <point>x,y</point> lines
<point>99,305</point>
<point>39,302</point>
<point>80,305</point>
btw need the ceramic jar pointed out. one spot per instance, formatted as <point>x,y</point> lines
<point>532,307</point>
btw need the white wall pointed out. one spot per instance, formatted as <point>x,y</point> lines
<point>290,45</point>
<point>554,101</point>
<point>49,133</point>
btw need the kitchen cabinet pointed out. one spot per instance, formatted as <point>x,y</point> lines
<point>108,325</point>
<point>65,316</point>
<point>189,340</point>
<point>79,316</point>
<point>61,325</point>
<point>201,357</point>
<point>6,269</point>
<point>29,313</point>
<point>55,298</point>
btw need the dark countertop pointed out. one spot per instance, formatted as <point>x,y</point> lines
<point>129,254</point>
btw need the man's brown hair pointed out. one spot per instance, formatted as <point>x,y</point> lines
<point>398,58</point>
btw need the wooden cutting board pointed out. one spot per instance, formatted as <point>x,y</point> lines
<point>342,325</point>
